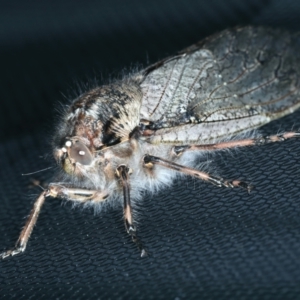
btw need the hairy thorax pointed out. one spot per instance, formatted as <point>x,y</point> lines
<point>102,130</point>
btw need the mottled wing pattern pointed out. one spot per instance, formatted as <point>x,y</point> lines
<point>168,90</point>
<point>236,80</point>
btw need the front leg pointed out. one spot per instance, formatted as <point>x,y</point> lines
<point>54,190</point>
<point>123,173</point>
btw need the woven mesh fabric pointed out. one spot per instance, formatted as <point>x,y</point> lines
<point>204,242</point>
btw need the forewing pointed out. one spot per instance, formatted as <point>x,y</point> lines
<point>234,81</point>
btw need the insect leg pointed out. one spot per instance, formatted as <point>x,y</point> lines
<point>238,143</point>
<point>150,160</point>
<point>123,173</point>
<point>55,191</point>
<point>25,233</point>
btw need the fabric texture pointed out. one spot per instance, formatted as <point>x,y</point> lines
<point>204,242</point>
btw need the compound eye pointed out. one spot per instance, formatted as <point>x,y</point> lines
<point>79,152</point>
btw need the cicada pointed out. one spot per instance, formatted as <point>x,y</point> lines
<point>115,141</point>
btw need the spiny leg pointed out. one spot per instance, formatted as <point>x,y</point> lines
<point>262,140</point>
<point>150,160</point>
<point>21,243</point>
<point>123,173</point>
<point>54,191</point>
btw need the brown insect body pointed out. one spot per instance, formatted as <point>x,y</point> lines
<point>137,134</point>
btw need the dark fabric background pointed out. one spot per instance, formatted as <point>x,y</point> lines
<point>205,242</point>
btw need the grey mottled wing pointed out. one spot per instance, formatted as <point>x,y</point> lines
<point>236,80</point>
